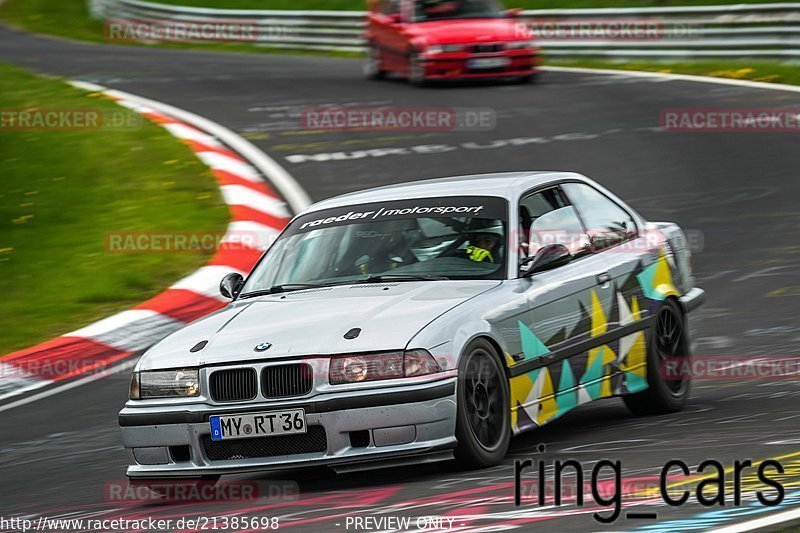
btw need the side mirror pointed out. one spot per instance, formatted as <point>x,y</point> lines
<point>395,18</point>
<point>231,285</point>
<point>550,257</point>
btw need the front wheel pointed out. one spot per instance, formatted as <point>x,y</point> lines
<point>416,71</point>
<point>373,66</point>
<point>483,421</point>
<point>668,378</point>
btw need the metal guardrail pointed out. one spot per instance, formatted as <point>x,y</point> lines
<point>767,31</point>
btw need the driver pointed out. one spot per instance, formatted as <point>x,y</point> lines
<point>483,242</point>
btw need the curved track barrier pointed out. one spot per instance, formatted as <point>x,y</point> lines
<point>767,31</point>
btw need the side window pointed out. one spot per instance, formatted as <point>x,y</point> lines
<point>606,223</point>
<point>547,218</point>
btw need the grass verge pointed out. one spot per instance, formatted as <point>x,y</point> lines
<point>63,191</point>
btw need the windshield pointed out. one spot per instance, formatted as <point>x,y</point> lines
<point>437,238</point>
<point>427,10</point>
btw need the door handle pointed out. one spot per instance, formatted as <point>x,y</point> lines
<point>604,278</point>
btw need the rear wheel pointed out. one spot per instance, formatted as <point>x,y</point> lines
<point>667,369</point>
<point>483,423</point>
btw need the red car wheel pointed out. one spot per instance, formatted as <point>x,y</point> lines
<point>373,67</point>
<point>416,71</point>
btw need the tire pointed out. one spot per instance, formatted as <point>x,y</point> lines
<point>483,417</point>
<point>372,66</point>
<point>668,339</point>
<point>416,71</point>
<point>528,79</point>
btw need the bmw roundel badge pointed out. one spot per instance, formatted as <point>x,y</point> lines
<point>263,347</point>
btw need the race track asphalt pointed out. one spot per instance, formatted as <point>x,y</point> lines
<point>735,193</point>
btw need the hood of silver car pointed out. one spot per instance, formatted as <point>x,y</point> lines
<point>314,322</point>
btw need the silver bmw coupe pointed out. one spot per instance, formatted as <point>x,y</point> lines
<point>421,322</point>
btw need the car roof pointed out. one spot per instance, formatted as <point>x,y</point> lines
<point>508,185</point>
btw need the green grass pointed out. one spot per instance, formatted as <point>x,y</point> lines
<point>359,5</point>
<point>63,191</point>
<point>67,18</point>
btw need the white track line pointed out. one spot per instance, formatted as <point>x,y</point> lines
<point>758,523</point>
<point>182,131</point>
<point>16,380</point>
<point>244,196</point>
<point>127,365</point>
<point>112,323</point>
<point>223,162</point>
<point>251,234</point>
<point>680,77</point>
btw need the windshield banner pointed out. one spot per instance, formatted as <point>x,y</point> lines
<point>447,207</point>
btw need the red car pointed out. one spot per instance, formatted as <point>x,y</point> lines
<point>427,40</point>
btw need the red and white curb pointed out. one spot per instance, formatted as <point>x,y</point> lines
<point>256,210</point>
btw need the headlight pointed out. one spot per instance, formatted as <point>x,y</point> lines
<point>521,45</point>
<point>165,384</point>
<point>443,48</point>
<point>375,367</point>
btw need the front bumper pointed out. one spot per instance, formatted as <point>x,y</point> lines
<point>693,300</point>
<point>691,303</point>
<point>390,422</point>
<point>456,66</point>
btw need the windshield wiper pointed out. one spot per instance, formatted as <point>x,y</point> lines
<point>288,287</point>
<point>403,277</point>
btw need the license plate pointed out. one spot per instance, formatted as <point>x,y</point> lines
<point>288,422</point>
<point>487,62</point>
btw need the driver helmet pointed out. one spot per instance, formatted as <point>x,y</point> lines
<point>492,231</point>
